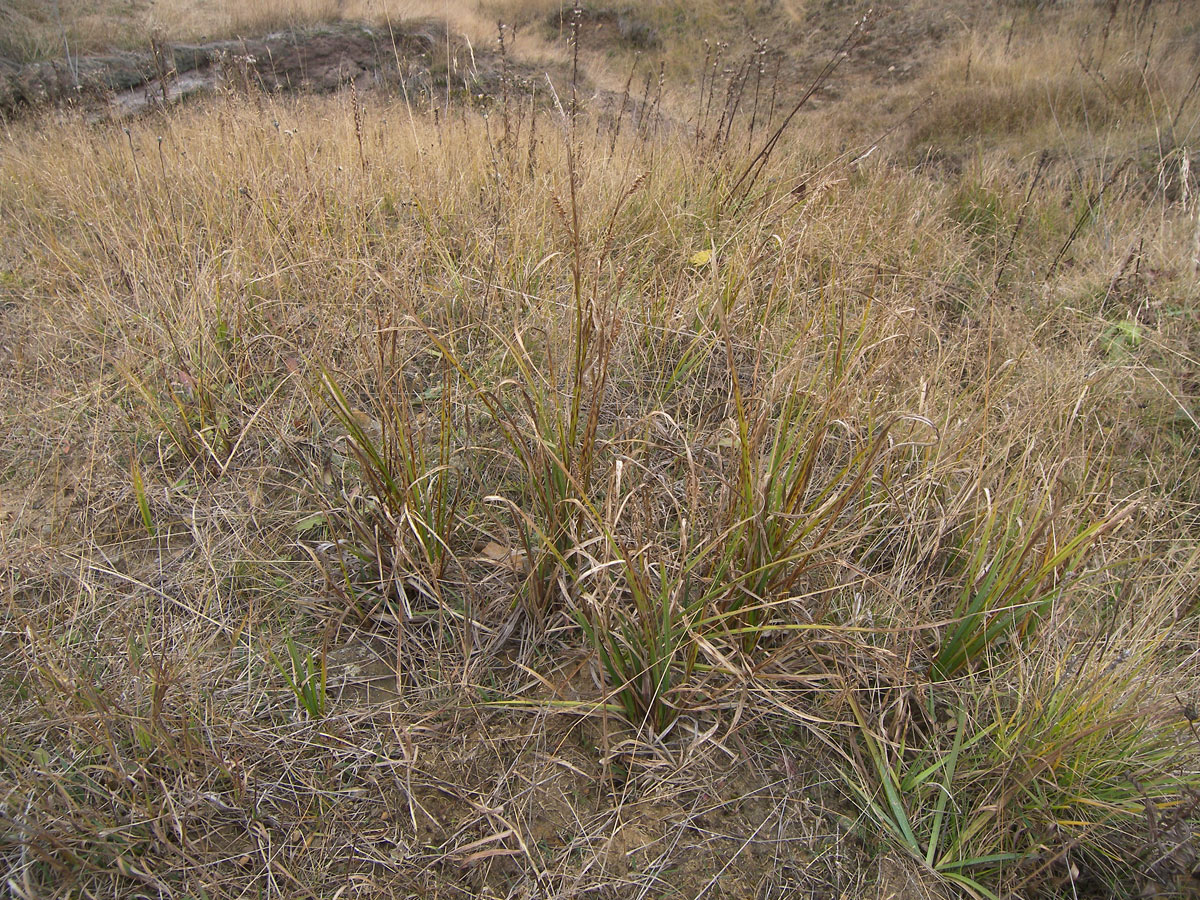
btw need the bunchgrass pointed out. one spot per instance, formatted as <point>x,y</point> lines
<point>1048,761</point>
<point>1015,567</point>
<point>305,677</point>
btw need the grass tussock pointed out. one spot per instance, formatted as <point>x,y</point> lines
<point>527,501</point>
<point>1068,75</point>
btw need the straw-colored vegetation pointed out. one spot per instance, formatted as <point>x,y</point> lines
<point>401,498</point>
<point>41,28</point>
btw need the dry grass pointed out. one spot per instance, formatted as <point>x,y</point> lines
<point>406,503</point>
<point>39,30</point>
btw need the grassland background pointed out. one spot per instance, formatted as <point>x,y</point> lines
<point>763,438</point>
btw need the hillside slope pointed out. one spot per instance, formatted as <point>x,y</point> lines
<point>755,455</point>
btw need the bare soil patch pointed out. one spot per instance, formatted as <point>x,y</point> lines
<point>316,60</point>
